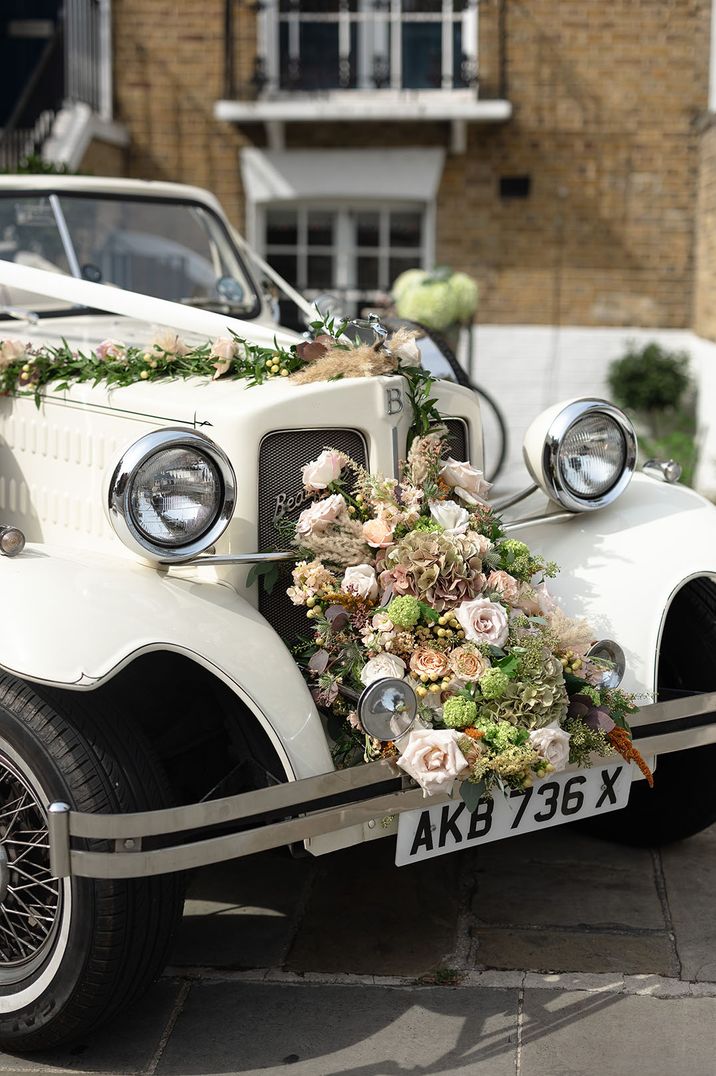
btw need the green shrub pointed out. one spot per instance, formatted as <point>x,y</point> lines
<point>649,379</point>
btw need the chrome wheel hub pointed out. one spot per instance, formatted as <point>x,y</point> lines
<point>29,895</point>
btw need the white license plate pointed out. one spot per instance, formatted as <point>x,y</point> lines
<point>434,831</point>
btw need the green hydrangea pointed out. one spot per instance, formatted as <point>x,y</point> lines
<point>459,712</point>
<point>408,280</point>
<point>494,683</point>
<point>431,303</point>
<point>404,612</point>
<point>464,290</point>
<point>426,524</point>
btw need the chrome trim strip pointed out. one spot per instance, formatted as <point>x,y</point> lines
<point>119,511</point>
<point>230,808</point>
<point>532,521</point>
<point>237,558</point>
<point>217,849</point>
<point>674,710</point>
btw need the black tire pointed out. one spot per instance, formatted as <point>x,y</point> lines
<point>108,939</point>
<point>683,800</point>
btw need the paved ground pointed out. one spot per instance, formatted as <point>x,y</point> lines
<point>547,955</point>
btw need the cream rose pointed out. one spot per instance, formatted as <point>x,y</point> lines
<point>483,621</point>
<point>360,579</point>
<point>451,517</point>
<point>319,473</point>
<point>318,517</point>
<point>408,353</point>
<point>381,667</point>
<point>468,665</point>
<point>378,533</point>
<point>466,480</point>
<point>222,352</point>
<point>504,584</point>
<point>552,743</point>
<point>10,351</point>
<point>428,662</point>
<point>433,758</point>
<point>171,342</point>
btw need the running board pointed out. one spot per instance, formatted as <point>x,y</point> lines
<point>297,810</point>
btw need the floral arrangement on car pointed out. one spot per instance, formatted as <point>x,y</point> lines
<point>416,579</point>
<point>330,355</point>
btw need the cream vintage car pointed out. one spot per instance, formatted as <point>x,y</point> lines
<point>152,719</point>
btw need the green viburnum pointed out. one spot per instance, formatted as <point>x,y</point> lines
<point>499,735</point>
<point>459,712</point>
<point>493,683</point>
<point>426,524</point>
<point>404,612</point>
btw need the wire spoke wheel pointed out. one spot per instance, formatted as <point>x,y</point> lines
<point>30,898</point>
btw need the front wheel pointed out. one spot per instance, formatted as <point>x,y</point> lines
<point>72,951</point>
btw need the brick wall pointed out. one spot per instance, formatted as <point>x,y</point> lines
<point>606,98</point>
<point>103,159</point>
<point>705,282</point>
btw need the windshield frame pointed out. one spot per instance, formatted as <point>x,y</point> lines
<point>59,193</point>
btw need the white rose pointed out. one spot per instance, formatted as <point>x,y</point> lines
<point>318,517</point>
<point>382,667</point>
<point>433,758</point>
<point>408,354</point>
<point>552,743</point>
<point>319,473</point>
<point>451,517</point>
<point>361,580</point>
<point>10,351</point>
<point>483,621</point>
<point>466,480</point>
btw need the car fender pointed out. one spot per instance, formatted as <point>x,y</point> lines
<point>73,619</point>
<point>621,566</point>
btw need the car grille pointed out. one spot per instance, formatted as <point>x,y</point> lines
<point>281,456</point>
<point>457,439</point>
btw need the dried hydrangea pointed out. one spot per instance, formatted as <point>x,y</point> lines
<point>532,703</point>
<point>441,570</point>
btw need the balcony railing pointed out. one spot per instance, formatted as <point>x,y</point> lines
<point>342,45</point>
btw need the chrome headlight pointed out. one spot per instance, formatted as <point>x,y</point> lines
<point>582,453</point>
<point>172,495</point>
<point>387,709</point>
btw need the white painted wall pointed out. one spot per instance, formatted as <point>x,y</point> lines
<point>529,367</point>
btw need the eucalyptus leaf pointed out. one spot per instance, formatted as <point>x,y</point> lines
<point>471,794</point>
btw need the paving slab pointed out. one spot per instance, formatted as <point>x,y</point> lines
<point>367,916</point>
<point>566,878</point>
<point>322,1031</point>
<point>690,875</point>
<point>126,1045</point>
<point>546,950</point>
<point>580,1034</point>
<point>242,914</point>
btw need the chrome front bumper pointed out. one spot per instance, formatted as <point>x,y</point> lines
<point>295,811</point>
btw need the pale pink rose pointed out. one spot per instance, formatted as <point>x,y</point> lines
<point>382,667</point>
<point>223,351</point>
<point>468,665</point>
<point>11,351</point>
<point>169,341</point>
<point>483,621</point>
<point>433,758</point>
<point>319,516</point>
<point>482,544</point>
<point>319,473</point>
<point>506,586</point>
<point>428,662</point>
<point>111,349</point>
<point>451,517</point>
<point>466,480</point>
<point>378,533</point>
<point>552,743</point>
<point>360,579</point>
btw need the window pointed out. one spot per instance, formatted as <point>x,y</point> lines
<point>369,44</point>
<point>354,252</point>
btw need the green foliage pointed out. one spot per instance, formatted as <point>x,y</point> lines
<point>649,379</point>
<point>33,164</point>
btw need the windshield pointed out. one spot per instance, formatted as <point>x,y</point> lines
<point>171,250</point>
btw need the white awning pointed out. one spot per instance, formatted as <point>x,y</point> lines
<point>352,174</point>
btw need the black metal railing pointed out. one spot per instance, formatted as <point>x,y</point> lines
<point>74,66</point>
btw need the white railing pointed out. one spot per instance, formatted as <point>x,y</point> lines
<point>366,45</point>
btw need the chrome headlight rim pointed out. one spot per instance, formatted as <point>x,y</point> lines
<point>560,426</point>
<point>120,490</point>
